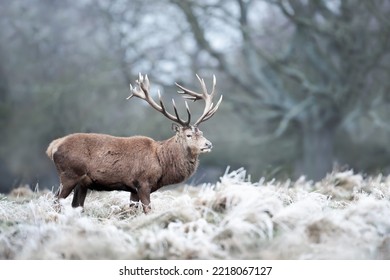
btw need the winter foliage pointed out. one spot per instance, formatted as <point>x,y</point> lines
<point>344,216</point>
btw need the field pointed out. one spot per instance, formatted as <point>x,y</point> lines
<point>344,216</point>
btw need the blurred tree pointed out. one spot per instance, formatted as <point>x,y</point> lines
<point>5,175</point>
<point>312,65</point>
<point>311,76</point>
<point>61,79</point>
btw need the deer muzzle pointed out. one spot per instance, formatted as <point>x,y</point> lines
<point>207,147</point>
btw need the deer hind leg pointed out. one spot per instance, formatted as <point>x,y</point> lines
<point>80,191</point>
<point>79,194</point>
<point>68,183</point>
<point>67,186</point>
<point>134,199</point>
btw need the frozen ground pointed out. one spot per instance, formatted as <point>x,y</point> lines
<point>344,216</point>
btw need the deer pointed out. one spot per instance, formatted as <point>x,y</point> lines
<point>136,164</point>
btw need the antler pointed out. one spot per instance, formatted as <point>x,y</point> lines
<point>142,91</point>
<point>209,109</point>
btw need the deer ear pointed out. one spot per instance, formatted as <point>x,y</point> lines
<point>175,127</point>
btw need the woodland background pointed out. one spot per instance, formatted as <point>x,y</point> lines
<point>305,83</point>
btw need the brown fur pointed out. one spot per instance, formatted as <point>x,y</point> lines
<point>139,165</point>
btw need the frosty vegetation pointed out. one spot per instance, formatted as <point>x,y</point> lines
<point>344,216</point>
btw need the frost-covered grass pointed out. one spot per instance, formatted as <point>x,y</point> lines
<point>345,216</point>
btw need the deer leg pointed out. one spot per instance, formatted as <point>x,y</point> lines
<point>67,186</point>
<point>80,192</point>
<point>133,199</point>
<point>144,197</point>
<point>75,201</point>
<point>82,195</point>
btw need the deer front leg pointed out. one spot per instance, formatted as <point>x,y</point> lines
<point>144,197</point>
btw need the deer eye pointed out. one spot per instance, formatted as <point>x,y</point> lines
<point>189,135</point>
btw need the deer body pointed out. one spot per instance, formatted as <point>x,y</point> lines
<point>138,164</point>
<point>135,164</point>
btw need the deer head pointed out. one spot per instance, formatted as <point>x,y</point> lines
<point>186,133</point>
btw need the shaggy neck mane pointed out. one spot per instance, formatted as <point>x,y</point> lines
<point>178,162</point>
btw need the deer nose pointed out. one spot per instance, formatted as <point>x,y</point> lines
<point>209,145</point>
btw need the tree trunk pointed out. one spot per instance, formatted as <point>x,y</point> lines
<point>317,156</point>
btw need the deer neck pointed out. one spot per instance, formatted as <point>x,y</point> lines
<point>178,162</point>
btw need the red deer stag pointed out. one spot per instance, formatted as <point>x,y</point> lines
<point>138,164</point>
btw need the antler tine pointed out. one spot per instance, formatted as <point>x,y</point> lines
<point>213,110</point>
<point>144,84</point>
<point>184,123</point>
<point>142,92</point>
<point>188,94</point>
<point>203,85</point>
<point>214,85</point>
<point>209,109</point>
<point>188,113</point>
<point>131,91</point>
